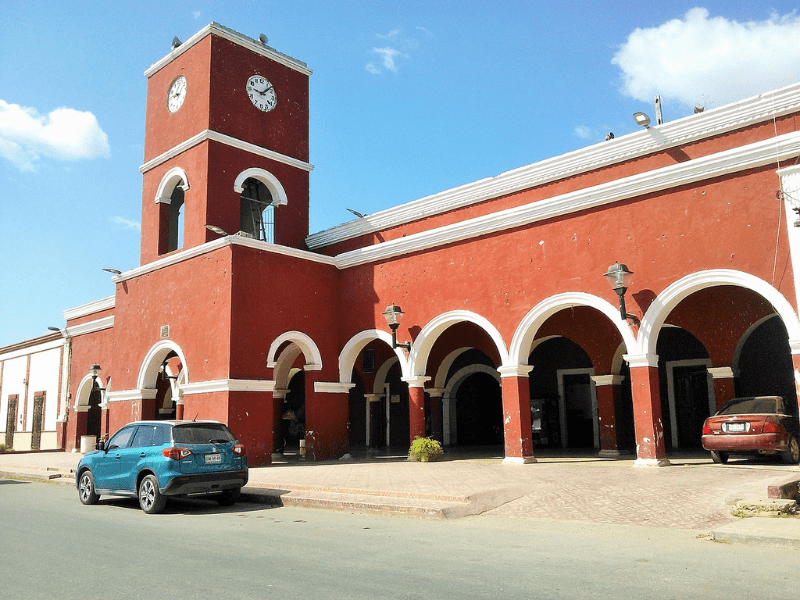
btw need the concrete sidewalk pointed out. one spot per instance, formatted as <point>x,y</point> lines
<point>692,493</point>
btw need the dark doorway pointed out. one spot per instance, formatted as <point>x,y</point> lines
<point>479,411</point>
<point>691,404</point>
<point>38,413</point>
<point>579,413</point>
<point>93,416</point>
<point>11,420</point>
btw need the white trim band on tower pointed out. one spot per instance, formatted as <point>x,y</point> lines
<point>214,136</point>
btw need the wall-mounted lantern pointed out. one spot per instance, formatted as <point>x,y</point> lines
<point>393,316</point>
<point>619,277</point>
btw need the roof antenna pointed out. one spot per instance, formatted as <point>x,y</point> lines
<point>195,417</point>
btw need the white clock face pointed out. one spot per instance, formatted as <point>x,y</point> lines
<point>177,93</point>
<point>261,93</point>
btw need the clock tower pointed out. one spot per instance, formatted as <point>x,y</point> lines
<point>226,144</point>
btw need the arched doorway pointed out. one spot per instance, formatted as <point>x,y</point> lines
<point>563,400</point>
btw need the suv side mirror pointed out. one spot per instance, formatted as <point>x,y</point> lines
<point>100,445</point>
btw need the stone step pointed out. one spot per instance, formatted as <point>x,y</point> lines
<point>375,501</point>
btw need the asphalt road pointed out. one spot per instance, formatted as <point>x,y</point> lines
<point>54,547</point>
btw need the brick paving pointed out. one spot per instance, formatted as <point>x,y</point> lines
<point>689,494</point>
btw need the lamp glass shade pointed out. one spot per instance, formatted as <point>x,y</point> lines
<point>618,276</point>
<point>94,370</point>
<point>393,314</point>
<point>641,119</point>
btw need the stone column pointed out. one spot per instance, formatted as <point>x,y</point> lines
<point>647,411</point>
<point>517,415</point>
<point>437,428</point>
<point>607,388</point>
<point>416,406</point>
<point>724,388</point>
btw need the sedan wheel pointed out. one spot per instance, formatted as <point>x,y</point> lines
<point>150,498</point>
<point>792,453</point>
<point>719,457</point>
<point>86,491</point>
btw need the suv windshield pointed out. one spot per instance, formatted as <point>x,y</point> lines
<point>202,433</point>
<point>758,405</point>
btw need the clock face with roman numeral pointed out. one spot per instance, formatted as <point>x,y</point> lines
<point>176,94</point>
<point>261,93</point>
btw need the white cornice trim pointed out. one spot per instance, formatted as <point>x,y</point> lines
<point>89,308</point>
<point>231,240</point>
<point>228,385</point>
<point>131,395</point>
<point>675,133</point>
<point>36,349</point>
<point>210,135</point>
<point>332,387</point>
<point>715,165</point>
<point>236,38</point>
<point>90,327</point>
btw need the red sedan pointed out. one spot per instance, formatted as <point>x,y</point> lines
<point>758,424</point>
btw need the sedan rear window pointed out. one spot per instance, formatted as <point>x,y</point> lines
<point>202,433</point>
<point>758,405</point>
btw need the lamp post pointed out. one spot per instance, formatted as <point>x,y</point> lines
<point>393,315</point>
<point>619,277</point>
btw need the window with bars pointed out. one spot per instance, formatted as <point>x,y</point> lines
<point>257,213</point>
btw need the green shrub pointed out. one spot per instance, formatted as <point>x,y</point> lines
<point>3,448</point>
<point>424,450</point>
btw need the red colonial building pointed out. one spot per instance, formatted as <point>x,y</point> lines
<point>511,334</point>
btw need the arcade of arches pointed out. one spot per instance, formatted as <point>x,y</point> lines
<point>716,343</point>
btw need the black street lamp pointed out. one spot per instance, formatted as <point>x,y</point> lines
<point>618,277</point>
<point>393,315</point>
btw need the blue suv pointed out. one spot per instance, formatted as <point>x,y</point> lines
<point>155,459</point>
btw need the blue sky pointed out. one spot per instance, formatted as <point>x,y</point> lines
<point>407,99</point>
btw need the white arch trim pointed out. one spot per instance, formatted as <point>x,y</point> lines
<point>83,393</point>
<point>307,346</point>
<point>175,177</point>
<point>422,346</point>
<point>351,350</point>
<point>268,179</point>
<point>522,341</point>
<point>673,294</point>
<point>148,372</point>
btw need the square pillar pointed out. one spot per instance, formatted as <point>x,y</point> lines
<point>724,388</point>
<point>607,388</point>
<point>647,411</point>
<point>327,418</point>
<point>517,415</point>
<point>416,407</point>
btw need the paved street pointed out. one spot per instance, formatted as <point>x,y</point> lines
<point>58,548</point>
<point>690,494</point>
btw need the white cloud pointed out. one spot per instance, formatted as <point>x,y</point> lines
<point>582,131</point>
<point>64,134</point>
<point>710,60</point>
<point>389,57</point>
<point>127,223</point>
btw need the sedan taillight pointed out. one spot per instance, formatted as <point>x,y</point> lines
<point>770,426</point>
<point>706,429</point>
<point>176,453</point>
<point>239,449</point>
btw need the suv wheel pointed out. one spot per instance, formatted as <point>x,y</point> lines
<point>792,453</point>
<point>229,497</point>
<point>86,491</point>
<point>150,499</point>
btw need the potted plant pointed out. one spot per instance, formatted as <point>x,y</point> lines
<point>424,450</point>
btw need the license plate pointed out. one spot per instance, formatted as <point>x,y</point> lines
<point>213,459</point>
<point>736,427</point>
